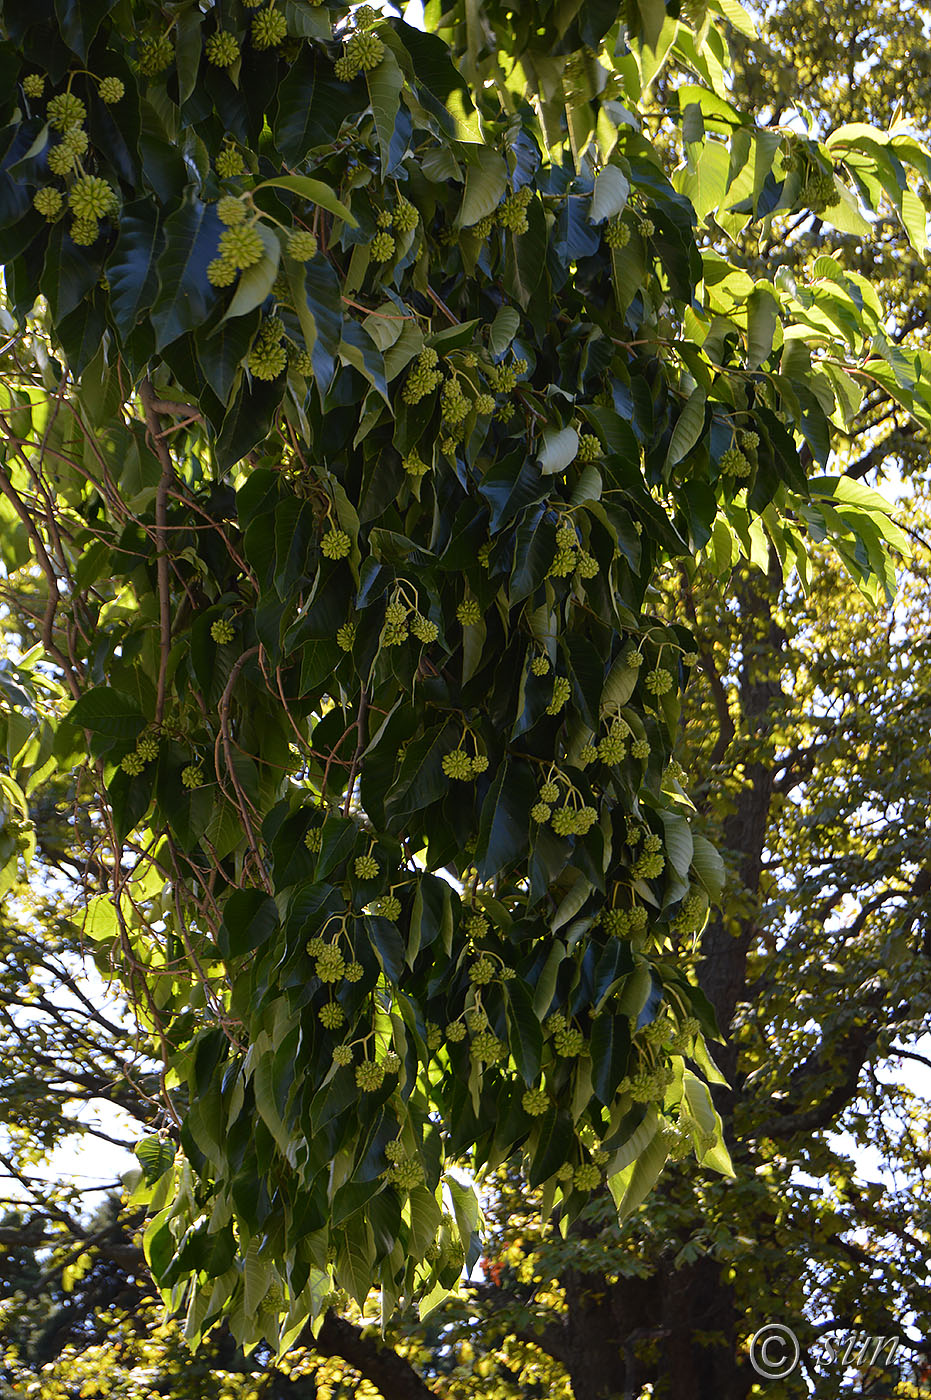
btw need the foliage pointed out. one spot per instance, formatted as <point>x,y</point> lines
<point>372,684</point>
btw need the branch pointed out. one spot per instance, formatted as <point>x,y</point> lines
<point>374,1359</point>
<point>160,448</point>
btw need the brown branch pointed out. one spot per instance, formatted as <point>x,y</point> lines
<point>374,1359</point>
<point>160,448</point>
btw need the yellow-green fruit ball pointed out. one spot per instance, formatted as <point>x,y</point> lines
<point>222,631</point>
<point>267,361</point>
<point>457,765</point>
<point>540,665</point>
<point>568,1042</point>
<point>586,1177</point>
<point>91,198</point>
<point>268,29</point>
<point>222,50</point>
<point>229,164</point>
<point>535,1102</point>
<point>74,141</point>
<point>111,90</point>
<point>345,636</point>
<point>65,110</point>
<point>617,234</point>
<point>192,776</point>
<point>314,839</point>
<point>132,764</point>
<point>300,361</point>
<point>369,1076</point>
<point>48,202</point>
<point>241,246</point>
<point>33,85</point>
<point>366,867</point>
<point>354,972</point>
<point>221,272</point>
<point>381,247</point>
<point>561,692</point>
<point>331,1015</point>
<point>365,50</point>
<point>640,748</point>
<point>482,972</point>
<point>480,763</point>
<point>540,812</point>
<point>155,55</point>
<point>84,232</point>
<point>147,749</point>
<point>302,245</point>
<point>455,1031</point>
<point>60,160</point>
<point>424,630</point>
<point>469,613</point>
<point>342,1055</point>
<point>231,211</point>
<point>336,544</point>
<point>658,682</point>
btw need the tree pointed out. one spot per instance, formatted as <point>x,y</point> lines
<point>345,857</point>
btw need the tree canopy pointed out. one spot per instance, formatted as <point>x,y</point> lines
<point>364,385</point>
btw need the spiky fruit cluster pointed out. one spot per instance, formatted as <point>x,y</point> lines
<point>749,441</point>
<point>192,776</point>
<point>155,55</point>
<point>92,198</point>
<point>455,1032</point>
<point>314,839</point>
<point>503,378</point>
<point>268,357</point>
<point>540,812</point>
<point>589,448</point>
<point>370,1076</point>
<point>512,214</point>
<point>222,49</point>
<point>650,1085</point>
<point>132,764</point>
<point>586,1177</point>
<point>300,361</point>
<point>389,907</point>
<point>651,862</point>
<point>365,16</point>
<point>640,748</point>
<point>331,1015</point>
<point>365,51</point>
<point>691,915</point>
<point>414,465</point>
<point>423,377</point>
<point>336,544</point>
<point>535,1102</point>
<point>222,631</point>
<point>482,971</point>
<point>231,211</point>
<point>820,192</point>
<point>268,29</point>
<point>111,90</point>
<point>366,867</point>
<point>617,234</point>
<point>381,247</point>
<point>453,402</point>
<point>302,245</point>
<point>573,821</point>
<point>468,612</point>
<point>330,963</point>
<point>354,972</point>
<point>346,636</point>
<point>561,692</point>
<point>613,748</point>
<point>406,217</point>
<point>433,1036</point>
<point>406,1173</point>
<point>48,202</point>
<point>65,110</point>
<point>487,1047</point>
<point>540,665</point>
<point>423,629</point>
<point>147,748</point>
<point>229,163</point>
<point>647,228</point>
<point>734,463</point>
<point>587,754</point>
<point>458,765</point>
<point>659,682</point>
<point>33,85</point>
<point>568,1041</point>
<point>342,1055</point>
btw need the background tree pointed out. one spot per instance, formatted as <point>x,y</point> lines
<point>696,508</point>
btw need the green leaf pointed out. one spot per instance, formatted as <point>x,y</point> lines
<point>762,317</point>
<point>708,866</point>
<point>610,194</point>
<point>256,282</point>
<point>503,330</point>
<point>559,448</point>
<point>313,190</point>
<point>486,182</point>
<point>155,1155</point>
<point>504,828</point>
<point>633,1184</point>
<point>688,429</point>
<point>706,184</point>
<point>108,712</point>
<point>185,297</point>
<point>77,21</point>
<point>550,1145</point>
<point>525,1038</point>
<point>385,83</point>
<point>131,268</point>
